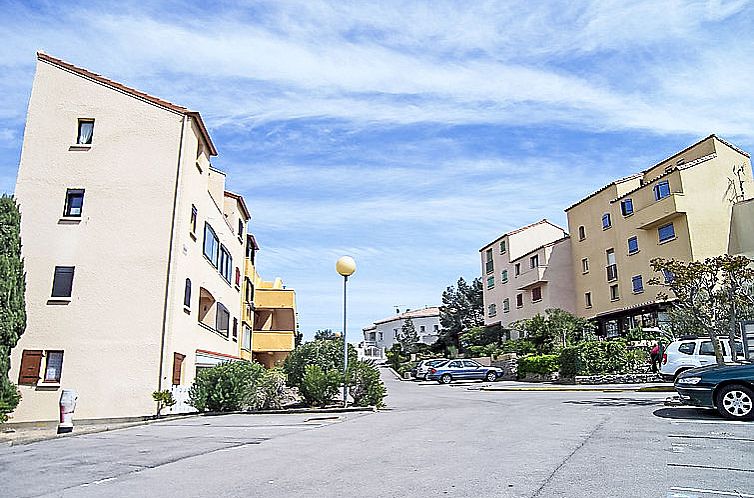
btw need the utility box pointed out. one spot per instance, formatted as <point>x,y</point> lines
<point>67,406</point>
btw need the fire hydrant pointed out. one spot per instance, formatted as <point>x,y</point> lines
<point>67,406</point>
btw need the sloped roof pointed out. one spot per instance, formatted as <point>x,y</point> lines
<point>85,73</point>
<point>241,202</point>
<point>421,313</point>
<point>517,230</point>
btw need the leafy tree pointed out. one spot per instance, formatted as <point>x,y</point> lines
<point>327,354</point>
<point>164,399</point>
<point>484,336</point>
<point>325,335</point>
<point>407,337</point>
<point>12,304</point>
<point>298,339</point>
<point>557,328</point>
<point>318,387</point>
<point>710,295</point>
<point>462,310</point>
<point>365,385</point>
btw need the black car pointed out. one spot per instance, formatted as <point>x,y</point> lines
<point>728,388</point>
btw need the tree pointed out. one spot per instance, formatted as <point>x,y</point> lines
<point>557,328</point>
<point>407,337</point>
<point>462,310</point>
<point>327,354</point>
<point>710,295</point>
<point>12,304</point>
<point>325,335</point>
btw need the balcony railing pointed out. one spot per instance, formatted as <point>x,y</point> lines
<point>612,272</point>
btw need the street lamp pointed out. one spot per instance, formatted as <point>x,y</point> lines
<point>346,266</point>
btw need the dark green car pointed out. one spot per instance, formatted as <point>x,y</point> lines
<point>728,388</point>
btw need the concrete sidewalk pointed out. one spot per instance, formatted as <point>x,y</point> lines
<point>12,436</point>
<point>511,385</point>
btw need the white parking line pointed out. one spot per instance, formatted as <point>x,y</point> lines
<point>724,422</point>
<point>713,492</point>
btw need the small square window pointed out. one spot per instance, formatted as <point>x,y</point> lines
<point>62,283</point>
<point>606,221</point>
<point>491,310</point>
<point>74,202</point>
<point>240,228</point>
<point>503,247</point>
<point>637,284</point>
<point>627,207</point>
<point>504,276</point>
<point>633,245</point>
<point>536,294</point>
<point>86,131</point>
<point>668,276</point>
<point>582,232</point>
<point>585,265</point>
<point>614,295</point>
<point>662,190</point>
<point>534,261</point>
<point>54,366</point>
<point>506,305</point>
<point>490,282</point>
<point>666,232</point>
<point>194,214</point>
<point>587,299</point>
<point>517,269</point>
<point>519,300</point>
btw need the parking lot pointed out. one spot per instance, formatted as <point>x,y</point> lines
<point>433,440</point>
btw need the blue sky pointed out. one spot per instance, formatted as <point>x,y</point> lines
<point>407,136</point>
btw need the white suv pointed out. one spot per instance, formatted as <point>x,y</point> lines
<point>688,353</point>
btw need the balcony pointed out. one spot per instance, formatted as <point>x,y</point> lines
<point>531,278</point>
<point>272,340</point>
<point>660,212</point>
<point>274,298</point>
<point>612,272</point>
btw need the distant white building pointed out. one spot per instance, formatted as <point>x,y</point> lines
<point>381,335</point>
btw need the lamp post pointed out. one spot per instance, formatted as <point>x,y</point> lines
<point>345,266</point>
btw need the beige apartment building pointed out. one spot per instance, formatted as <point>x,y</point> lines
<point>525,272</point>
<point>682,207</point>
<point>134,249</point>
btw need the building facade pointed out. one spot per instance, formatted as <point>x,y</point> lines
<point>382,334</point>
<point>525,272</point>
<point>682,208</point>
<point>134,249</point>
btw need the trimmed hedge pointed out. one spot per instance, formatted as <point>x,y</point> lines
<point>544,364</point>
<point>601,357</point>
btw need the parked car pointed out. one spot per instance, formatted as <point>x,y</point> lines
<point>451,370</point>
<point>727,388</point>
<point>421,369</point>
<point>692,352</point>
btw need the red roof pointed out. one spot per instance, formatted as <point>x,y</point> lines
<point>132,92</point>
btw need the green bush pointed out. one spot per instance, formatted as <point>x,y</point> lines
<point>518,346</point>
<point>318,387</point>
<point>9,398</point>
<point>225,387</point>
<point>544,364</point>
<point>365,385</point>
<point>163,399</point>
<point>269,391</point>
<point>326,354</point>
<point>601,357</point>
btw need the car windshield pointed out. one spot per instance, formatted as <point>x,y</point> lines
<point>435,363</point>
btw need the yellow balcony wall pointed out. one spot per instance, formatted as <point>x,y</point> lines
<point>275,298</point>
<point>278,340</point>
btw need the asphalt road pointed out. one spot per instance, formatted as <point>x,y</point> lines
<point>432,441</point>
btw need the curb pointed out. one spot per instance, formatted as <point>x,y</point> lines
<point>583,389</point>
<point>296,411</point>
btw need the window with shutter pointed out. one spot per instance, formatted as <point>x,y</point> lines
<point>177,365</point>
<point>54,366</point>
<point>30,363</point>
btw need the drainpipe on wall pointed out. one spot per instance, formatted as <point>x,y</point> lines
<point>170,254</point>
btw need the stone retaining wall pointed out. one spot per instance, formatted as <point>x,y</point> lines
<point>631,378</point>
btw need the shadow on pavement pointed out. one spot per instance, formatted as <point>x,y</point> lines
<point>615,402</point>
<point>687,413</point>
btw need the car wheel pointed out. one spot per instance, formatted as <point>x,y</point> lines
<point>491,376</point>
<point>736,402</point>
<point>446,379</point>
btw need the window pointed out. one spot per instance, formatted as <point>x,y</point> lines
<point>614,295</point>
<point>187,294</point>
<point>489,265</point>
<point>54,366</point>
<point>606,221</point>
<point>382,336</point>
<point>86,130</point>
<point>582,232</point>
<point>222,321</point>
<point>519,300</point>
<point>662,190</point>
<point>585,265</point>
<point>490,282</point>
<point>506,305</point>
<point>235,329</point>
<point>687,347</point>
<point>246,339</point>
<point>536,294</point>
<point>194,214</point>
<point>177,368</point>
<point>587,299</point>
<point>421,329</point>
<point>633,245</point>
<point>62,283</point>
<point>436,328</point>
<point>226,263</point>
<point>74,201</point>
<point>666,232</point>
<point>534,261</point>
<point>395,333</point>
<point>28,374</point>
<point>240,228</point>
<point>517,269</point>
<point>637,284</point>
<point>211,245</point>
<point>627,207</point>
<point>503,247</point>
<point>706,348</point>
<point>238,277</point>
<point>249,290</point>
<point>491,310</point>
<point>504,276</point>
<point>612,268</point>
<point>668,276</point>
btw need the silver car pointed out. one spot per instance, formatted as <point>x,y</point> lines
<point>422,368</point>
